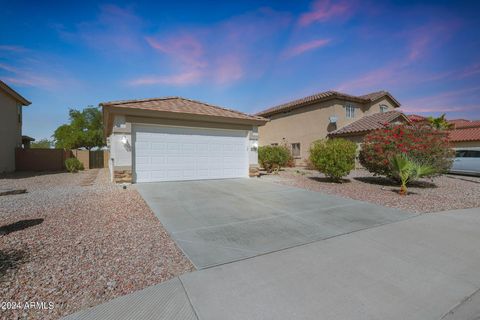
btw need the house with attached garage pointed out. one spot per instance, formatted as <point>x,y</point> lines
<point>11,107</point>
<point>173,138</point>
<point>298,123</point>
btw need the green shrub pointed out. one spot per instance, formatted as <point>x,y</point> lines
<point>73,165</point>
<point>420,143</point>
<point>273,157</point>
<point>335,158</point>
<point>407,170</point>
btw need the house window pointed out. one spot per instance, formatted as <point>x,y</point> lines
<point>274,144</point>
<point>350,111</point>
<point>296,150</point>
<point>383,109</point>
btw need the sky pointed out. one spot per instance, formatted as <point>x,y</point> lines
<point>244,55</point>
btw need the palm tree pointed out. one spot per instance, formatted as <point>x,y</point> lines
<point>407,170</point>
<point>440,123</point>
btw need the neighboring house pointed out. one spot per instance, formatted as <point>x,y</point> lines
<point>11,104</point>
<point>300,122</point>
<point>465,133</point>
<point>173,138</point>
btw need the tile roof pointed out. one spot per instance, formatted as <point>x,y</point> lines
<point>462,123</point>
<point>416,117</point>
<point>181,105</point>
<point>323,96</point>
<point>369,123</point>
<point>467,134</point>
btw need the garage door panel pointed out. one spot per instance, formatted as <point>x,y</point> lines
<point>174,153</point>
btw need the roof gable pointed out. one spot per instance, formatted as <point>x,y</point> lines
<point>324,96</point>
<point>14,94</point>
<point>370,123</point>
<point>181,105</point>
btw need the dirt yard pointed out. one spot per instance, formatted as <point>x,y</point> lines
<point>74,241</point>
<point>443,193</point>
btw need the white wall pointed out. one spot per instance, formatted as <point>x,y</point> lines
<point>121,153</point>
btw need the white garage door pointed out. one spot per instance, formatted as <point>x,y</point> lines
<point>164,153</point>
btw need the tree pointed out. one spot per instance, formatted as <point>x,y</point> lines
<point>407,170</point>
<point>84,130</point>
<point>41,144</point>
<point>440,123</point>
<point>335,158</point>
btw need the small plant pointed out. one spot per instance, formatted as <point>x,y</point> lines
<point>272,158</point>
<point>333,157</point>
<point>73,165</point>
<point>407,170</point>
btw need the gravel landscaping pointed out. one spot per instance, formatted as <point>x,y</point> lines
<point>442,193</point>
<point>76,240</point>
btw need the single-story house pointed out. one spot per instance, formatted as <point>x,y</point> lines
<point>300,122</point>
<point>11,105</point>
<point>173,138</point>
<point>465,133</point>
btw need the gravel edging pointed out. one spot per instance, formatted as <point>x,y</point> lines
<point>443,193</point>
<point>96,242</point>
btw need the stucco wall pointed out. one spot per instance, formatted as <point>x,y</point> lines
<point>310,123</point>
<point>122,153</point>
<point>10,131</point>
<point>467,144</point>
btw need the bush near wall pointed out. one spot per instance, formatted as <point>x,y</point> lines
<point>335,158</point>
<point>73,165</point>
<point>273,157</point>
<point>421,143</point>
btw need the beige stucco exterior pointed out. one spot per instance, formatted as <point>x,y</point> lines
<point>466,144</point>
<point>10,131</point>
<point>119,124</point>
<point>309,123</point>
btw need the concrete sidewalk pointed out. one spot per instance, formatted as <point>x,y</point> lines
<point>426,267</point>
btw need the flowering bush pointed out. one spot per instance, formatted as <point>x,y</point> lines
<point>421,143</point>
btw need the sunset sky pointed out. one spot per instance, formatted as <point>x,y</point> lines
<point>245,55</point>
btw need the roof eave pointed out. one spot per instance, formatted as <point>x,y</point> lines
<point>14,94</point>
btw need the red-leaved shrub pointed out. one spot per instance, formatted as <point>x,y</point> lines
<point>419,142</point>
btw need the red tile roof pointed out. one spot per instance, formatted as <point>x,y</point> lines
<point>181,105</point>
<point>323,96</point>
<point>467,134</point>
<point>462,123</point>
<point>416,117</point>
<point>369,123</point>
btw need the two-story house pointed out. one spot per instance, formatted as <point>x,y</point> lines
<point>11,104</point>
<point>300,122</point>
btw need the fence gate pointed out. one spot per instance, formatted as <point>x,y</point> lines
<point>96,159</point>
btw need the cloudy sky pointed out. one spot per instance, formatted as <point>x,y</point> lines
<point>246,55</point>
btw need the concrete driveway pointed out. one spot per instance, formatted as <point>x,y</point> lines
<point>220,221</point>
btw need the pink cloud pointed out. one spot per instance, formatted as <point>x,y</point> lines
<point>181,79</point>
<point>449,101</point>
<point>223,53</point>
<point>304,47</point>
<point>324,10</point>
<point>14,49</point>
<point>25,77</point>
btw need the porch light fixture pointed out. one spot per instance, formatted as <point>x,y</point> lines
<point>124,140</point>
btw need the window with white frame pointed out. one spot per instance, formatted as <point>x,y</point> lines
<point>350,111</point>
<point>383,108</point>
